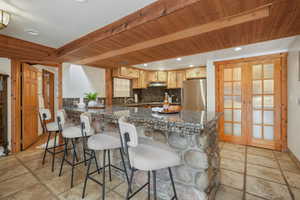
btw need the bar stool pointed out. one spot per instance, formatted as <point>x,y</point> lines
<point>146,156</point>
<point>71,133</point>
<point>50,128</point>
<point>101,142</point>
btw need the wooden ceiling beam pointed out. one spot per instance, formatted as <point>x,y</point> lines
<point>149,13</point>
<point>248,16</point>
<point>14,48</point>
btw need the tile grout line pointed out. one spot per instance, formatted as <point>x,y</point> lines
<point>48,189</point>
<point>282,174</point>
<point>245,173</point>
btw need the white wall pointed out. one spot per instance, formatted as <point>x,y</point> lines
<point>293,98</point>
<point>78,79</point>
<point>5,68</point>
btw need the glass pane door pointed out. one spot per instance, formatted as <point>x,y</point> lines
<point>263,103</point>
<point>232,103</point>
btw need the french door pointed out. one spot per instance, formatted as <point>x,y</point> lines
<point>250,96</point>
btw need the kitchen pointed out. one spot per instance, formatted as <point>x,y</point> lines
<point>150,99</point>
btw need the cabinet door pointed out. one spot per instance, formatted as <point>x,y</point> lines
<point>135,83</point>
<point>199,72</point>
<point>152,76</point>
<point>162,76</point>
<point>143,80</point>
<point>180,78</point>
<point>172,80</point>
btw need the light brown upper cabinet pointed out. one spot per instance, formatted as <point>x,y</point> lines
<point>196,72</point>
<point>141,82</point>
<point>181,76</point>
<point>251,92</point>
<point>152,76</point>
<point>175,79</point>
<point>157,76</point>
<point>172,79</point>
<point>162,76</point>
<point>125,72</point>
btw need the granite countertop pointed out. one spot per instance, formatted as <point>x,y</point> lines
<point>148,103</point>
<point>184,119</point>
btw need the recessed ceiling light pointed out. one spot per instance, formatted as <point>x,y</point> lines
<point>238,48</point>
<point>178,59</point>
<point>145,65</point>
<point>32,32</point>
<point>192,65</point>
<point>81,1</point>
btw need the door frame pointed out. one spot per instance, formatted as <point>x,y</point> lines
<point>51,94</point>
<point>16,128</point>
<point>283,81</point>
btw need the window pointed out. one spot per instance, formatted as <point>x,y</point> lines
<point>121,87</point>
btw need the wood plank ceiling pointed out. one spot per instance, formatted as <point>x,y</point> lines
<point>113,45</point>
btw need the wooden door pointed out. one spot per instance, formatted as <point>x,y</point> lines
<point>29,105</point>
<point>232,103</point>
<point>265,104</point>
<point>48,92</point>
<point>251,93</point>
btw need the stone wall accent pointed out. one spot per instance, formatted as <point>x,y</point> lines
<point>198,177</point>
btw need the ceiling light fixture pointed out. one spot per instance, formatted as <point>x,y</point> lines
<point>192,65</point>
<point>145,65</point>
<point>178,59</point>
<point>238,48</point>
<point>4,19</point>
<point>32,32</point>
<point>81,1</point>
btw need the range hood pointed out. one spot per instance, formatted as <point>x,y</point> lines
<point>157,84</point>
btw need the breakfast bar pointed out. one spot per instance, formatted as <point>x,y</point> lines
<point>193,135</point>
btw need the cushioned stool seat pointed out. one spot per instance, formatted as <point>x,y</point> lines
<point>75,132</point>
<point>52,126</point>
<point>147,157</point>
<point>104,141</point>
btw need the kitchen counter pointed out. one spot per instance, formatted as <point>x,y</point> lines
<point>186,122</point>
<point>150,104</point>
<point>193,135</point>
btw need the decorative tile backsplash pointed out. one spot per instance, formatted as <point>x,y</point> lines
<point>157,94</point>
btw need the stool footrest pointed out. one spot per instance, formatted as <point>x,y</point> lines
<point>142,187</point>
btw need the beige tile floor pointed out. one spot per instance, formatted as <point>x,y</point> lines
<point>247,173</point>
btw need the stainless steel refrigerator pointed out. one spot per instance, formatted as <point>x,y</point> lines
<point>194,95</point>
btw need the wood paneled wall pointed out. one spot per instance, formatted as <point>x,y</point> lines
<point>16,67</point>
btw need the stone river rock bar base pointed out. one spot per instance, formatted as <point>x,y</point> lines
<point>192,134</point>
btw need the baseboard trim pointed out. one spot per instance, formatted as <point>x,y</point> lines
<point>295,159</point>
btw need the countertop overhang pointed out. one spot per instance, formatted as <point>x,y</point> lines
<point>187,122</point>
